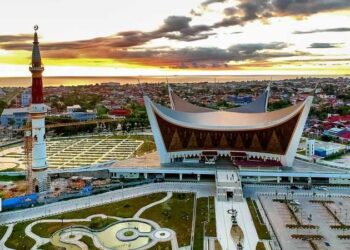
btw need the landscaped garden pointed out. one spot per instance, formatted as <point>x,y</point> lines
<point>18,239</point>
<point>2,231</point>
<point>205,223</point>
<point>261,228</point>
<point>176,214</point>
<point>125,208</point>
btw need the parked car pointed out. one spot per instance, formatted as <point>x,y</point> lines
<point>295,202</point>
<point>322,188</point>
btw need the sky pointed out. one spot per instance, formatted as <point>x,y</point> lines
<point>179,37</point>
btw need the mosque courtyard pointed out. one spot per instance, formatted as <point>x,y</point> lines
<point>78,152</point>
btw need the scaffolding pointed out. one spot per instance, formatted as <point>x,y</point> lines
<point>28,148</point>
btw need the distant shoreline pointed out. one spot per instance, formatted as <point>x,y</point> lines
<point>87,80</point>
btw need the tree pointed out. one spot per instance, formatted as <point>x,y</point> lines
<point>279,105</point>
<point>3,105</point>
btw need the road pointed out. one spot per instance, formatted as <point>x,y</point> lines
<point>252,190</point>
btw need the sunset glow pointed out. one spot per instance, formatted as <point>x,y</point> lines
<point>154,37</point>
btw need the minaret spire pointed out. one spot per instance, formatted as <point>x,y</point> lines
<point>37,69</point>
<point>37,113</point>
<point>36,57</point>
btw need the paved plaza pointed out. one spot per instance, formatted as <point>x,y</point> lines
<point>244,220</point>
<point>279,216</point>
<point>78,152</point>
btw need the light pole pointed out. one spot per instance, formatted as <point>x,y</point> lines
<point>310,220</point>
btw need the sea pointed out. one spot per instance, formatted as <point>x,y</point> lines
<point>75,81</point>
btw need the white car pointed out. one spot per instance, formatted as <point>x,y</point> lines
<point>295,202</point>
<point>322,188</point>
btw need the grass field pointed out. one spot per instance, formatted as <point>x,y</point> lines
<point>147,146</point>
<point>127,208</point>
<point>162,246</point>
<point>18,240</point>
<point>260,246</point>
<point>176,214</point>
<point>2,231</point>
<point>201,217</point>
<point>47,229</point>
<point>89,242</point>
<point>261,229</point>
<point>11,178</point>
<point>49,246</point>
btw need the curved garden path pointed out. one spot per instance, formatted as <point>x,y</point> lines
<point>41,240</point>
<point>143,209</point>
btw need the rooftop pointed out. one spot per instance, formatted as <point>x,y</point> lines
<point>224,120</point>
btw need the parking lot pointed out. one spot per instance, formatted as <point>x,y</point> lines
<point>279,215</point>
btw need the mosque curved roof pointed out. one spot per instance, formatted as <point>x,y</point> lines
<point>225,120</point>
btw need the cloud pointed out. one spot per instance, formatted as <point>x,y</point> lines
<point>173,27</point>
<point>201,57</point>
<point>325,45</point>
<point>230,11</point>
<point>126,47</point>
<point>195,13</point>
<point>251,10</point>
<point>342,29</point>
<point>16,38</point>
<point>209,2</point>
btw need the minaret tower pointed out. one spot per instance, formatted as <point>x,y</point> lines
<point>37,114</point>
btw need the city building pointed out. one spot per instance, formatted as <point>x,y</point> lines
<point>15,117</point>
<point>120,112</point>
<point>2,92</point>
<point>310,147</point>
<point>26,97</point>
<point>73,108</point>
<point>82,116</point>
<point>240,100</point>
<point>324,149</point>
<point>267,139</point>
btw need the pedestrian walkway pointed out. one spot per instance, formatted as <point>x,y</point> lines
<point>167,197</point>
<point>224,224</point>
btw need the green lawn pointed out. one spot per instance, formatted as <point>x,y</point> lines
<point>18,240</point>
<point>261,229</point>
<point>89,242</point>
<point>2,231</point>
<point>50,246</point>
<point>47,229</point>
<point>201,217</point>
<point>162,246</point>
<point>125,208</point>
<point>147,146</point>
<point>11,178</point>
<point>176,214</point>
<point>260,246</point>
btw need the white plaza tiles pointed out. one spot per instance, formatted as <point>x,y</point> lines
<point>80,152</point>
<point>224,224</point>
